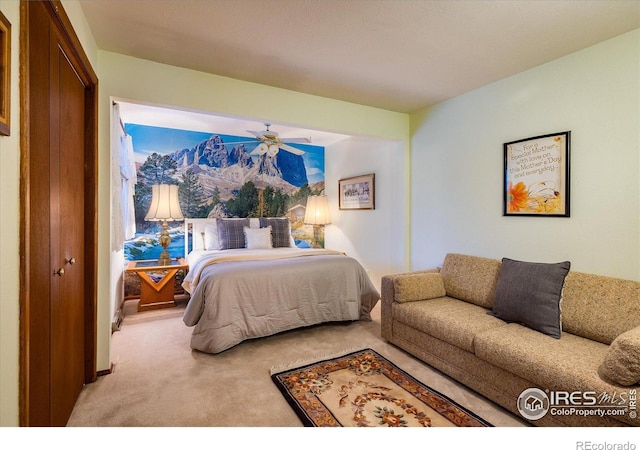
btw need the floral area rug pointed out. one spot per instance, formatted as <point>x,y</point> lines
<point>363,389</point>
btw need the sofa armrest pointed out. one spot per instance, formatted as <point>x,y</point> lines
<point>388,296</point>
<point>621,364</point>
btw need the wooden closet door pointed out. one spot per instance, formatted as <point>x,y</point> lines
<point>67,234</point>
<point>58,216</point>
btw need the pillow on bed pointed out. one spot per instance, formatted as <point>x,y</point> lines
<point>258,237</point>
<point>280,230</point>
<point>211,241</point>
<point>231,233</point>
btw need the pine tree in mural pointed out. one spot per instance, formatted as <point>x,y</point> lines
<point>157,169</point>
<point>192,196</point>
<point>245,203</point>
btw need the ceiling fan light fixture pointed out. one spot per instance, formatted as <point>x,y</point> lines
<point>273,149</point>
<point>260,149</point>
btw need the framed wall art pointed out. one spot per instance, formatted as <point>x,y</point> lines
<point>536,176</point>
<point>357,192</point>
<point>5,74</point>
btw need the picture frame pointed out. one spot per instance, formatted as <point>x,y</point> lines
<point>536,176</point>
<point>5,75</point>
<point>357,192</point>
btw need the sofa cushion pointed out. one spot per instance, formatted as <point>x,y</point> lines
<point>470,278</point>
<point>570,363</point>
<point>598,307</point>
<point>621,365</point>
<point>419,286</point>
<point>530,293</point>
<point>447,319</point>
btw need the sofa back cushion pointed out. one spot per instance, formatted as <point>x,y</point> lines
<point>598,307</point>
<point>471,278</point>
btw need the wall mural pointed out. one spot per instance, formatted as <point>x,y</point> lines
<point>217,177</point>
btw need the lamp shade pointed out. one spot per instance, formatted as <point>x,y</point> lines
<point>317,212</point>
<point>164,203</point>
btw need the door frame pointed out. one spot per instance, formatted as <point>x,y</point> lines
<point>82,66</point>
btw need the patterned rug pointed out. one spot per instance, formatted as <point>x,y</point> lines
<point>363,389</point>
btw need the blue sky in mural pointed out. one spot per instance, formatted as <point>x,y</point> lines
<point>148,139</point>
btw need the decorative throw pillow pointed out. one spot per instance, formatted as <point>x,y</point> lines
<point>423,286</point>
<point>621,364</point>
<point>211,241</point>
<point>280,230</point>
<point>530,293</point>
<point>257,237</point>
<point>231,233</point>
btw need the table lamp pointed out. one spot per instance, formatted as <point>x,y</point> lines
<point>164,207</point>
<point>316,214</point>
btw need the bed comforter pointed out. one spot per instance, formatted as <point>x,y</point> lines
<point>244,294</point>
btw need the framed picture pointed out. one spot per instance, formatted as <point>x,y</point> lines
<point>536,176</point>
<point>357,192</point>
<point>5,74</point>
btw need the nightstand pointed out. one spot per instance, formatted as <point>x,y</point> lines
<point>157,282</point>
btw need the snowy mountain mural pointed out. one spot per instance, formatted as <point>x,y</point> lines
<point>217,177</point>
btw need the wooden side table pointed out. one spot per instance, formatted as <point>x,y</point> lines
<point>157,282</point>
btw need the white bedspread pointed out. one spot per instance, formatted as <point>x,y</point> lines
<point>243,294</point>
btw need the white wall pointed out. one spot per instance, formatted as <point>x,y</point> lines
<point>374,237</point>
<point>10,236</point>
<point>457,165</point>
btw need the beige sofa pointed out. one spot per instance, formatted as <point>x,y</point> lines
<point>441,316</point>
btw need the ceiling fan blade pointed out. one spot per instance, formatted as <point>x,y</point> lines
<point>253,141</point>
<point>304,140</point>
<point>291,149</point>
<point>257,134</point>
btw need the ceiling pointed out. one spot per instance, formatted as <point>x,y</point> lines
<point>400,55</point>
<point>160,116</point>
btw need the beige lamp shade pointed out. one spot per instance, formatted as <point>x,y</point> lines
<point>164,203</point>
<point>317,212</point>
<point>164,207</point>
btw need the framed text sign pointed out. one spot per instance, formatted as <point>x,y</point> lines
<point>536,176</point>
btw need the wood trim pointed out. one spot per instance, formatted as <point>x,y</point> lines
<point>85,72</point>
<point>25,219</point>
<point>108,371</point>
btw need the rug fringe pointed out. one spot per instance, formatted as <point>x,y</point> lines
<point>320,357</point>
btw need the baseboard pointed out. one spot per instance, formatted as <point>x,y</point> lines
<point>108,371</point>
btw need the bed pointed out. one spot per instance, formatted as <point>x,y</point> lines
<point>253,282</point>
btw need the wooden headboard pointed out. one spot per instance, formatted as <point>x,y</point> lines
<point>194,231</point>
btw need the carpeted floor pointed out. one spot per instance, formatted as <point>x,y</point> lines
<point>158,381</point>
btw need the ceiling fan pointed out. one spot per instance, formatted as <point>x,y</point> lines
<point>271,143</point>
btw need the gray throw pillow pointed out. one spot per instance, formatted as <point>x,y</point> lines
<point>280,230</point>
<point>530,293</point>
<point>231,233</point>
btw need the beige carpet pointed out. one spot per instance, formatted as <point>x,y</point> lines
<point>158,381</point>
